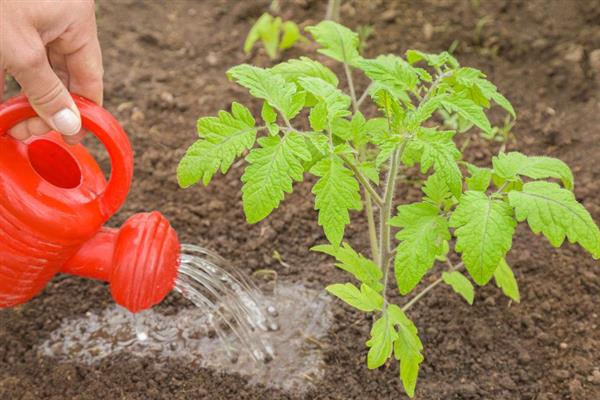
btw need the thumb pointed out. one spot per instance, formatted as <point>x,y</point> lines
<point>47,94</point>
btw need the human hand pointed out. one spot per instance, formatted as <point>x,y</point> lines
<point>51,48</point>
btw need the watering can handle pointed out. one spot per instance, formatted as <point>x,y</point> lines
<point>105,127</point>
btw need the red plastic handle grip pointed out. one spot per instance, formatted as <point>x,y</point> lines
<point>105,127</point>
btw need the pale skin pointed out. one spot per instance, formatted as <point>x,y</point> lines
<point>51,48</point>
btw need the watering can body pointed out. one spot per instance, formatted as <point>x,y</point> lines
<point>54,201</point>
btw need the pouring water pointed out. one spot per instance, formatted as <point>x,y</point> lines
<point>230,301</point>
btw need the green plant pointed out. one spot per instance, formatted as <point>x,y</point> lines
<point>346,151</point>
<point>274,33</point>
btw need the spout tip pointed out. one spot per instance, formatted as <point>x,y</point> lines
<point>146,261</point>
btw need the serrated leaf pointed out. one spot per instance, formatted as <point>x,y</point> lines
<point>291,34</point>
<point>381,343</point>
<point>426,110</point>
<point>336,192</point>
<point>491,92</point>
<point>337,41</point>
<point>294,69</point>
<point>365,299</point>
<point>484,231</point>
<point>268,114</point>
<point>355,263</point>
<point>266,85</point>
<point>555,213</point>
<point>421,240</point>
<point>509,165</point>
<point>436,149</point>
<point>407,348</point>
<point>434,60</point>
<point>480,178</point>
<point>460,284</point>
<point>272,169</point>
<point>505,280</point>
<point>435,189</point>
<point>223,138</point>
<point>318,117</point>
<point>334,100</point>
<point>392,73</point>
<point>368,169</point>
<point>468,110</point>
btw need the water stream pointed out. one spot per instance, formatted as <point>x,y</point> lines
<point>272,338</point>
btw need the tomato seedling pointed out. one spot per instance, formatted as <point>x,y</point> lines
<point>473,209</point>
<point>274,33</point>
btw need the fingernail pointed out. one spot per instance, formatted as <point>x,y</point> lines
<point>66,122</point>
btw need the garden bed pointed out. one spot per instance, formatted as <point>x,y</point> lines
<point>165,67</point>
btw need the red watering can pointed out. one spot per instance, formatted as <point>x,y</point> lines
<point>54,200</point>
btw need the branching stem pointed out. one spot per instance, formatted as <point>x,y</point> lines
<point>431,286</point>
<point>368,192</point>
<point>363,181</point>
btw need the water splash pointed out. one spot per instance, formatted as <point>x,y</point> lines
<point>184,338</point>
<point>229,300</point>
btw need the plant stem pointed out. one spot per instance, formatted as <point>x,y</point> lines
<point>368,191</point>
<point>348,73</point>
<point>333,10</point>
<point>385,215</point>
<point>364,181</point>
<point>363,96</point>
<point>431,286</point>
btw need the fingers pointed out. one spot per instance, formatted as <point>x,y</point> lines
<point>45,91</point>
<point>85,69</point>
<point>2,81</point>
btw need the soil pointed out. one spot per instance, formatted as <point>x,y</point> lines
<point>165,67</point>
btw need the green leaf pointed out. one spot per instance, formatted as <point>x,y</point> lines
<point>318,117</point>
<point>268,114</point>
<point>485,228</point>
<point>294,69</point>
<point>363,269</point>
<point>337,41</point>
<point>434,60</point>
<point>272,169</point>
<point>381,343</point>
<point>426,110</point>
<point>270,37</point>
<point>261,25</point>
<point>392,73</point>
<point>509,165</point>
<point>468,110</point>
<point>421,240</point>
<point>437,149</point>
<point>407,348</point>
<point>223,138</point>
<point>266,85</point>
<point>505,280</point>
<point>368,169</point>
<point>365,299</point>
<point>291,34</point>
<point>336,192</point>
<point>555,213</point>
<point>491,92</point>
<point>436,190</point>
<point>480,178</point>
<point>335,101</point>
<point>460,284</point>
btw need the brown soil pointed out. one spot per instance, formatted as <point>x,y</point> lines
<point>165,67</point>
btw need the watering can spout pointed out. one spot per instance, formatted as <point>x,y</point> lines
<point>140,260</point>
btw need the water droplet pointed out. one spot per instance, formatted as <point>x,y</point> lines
<point>272,311</point>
